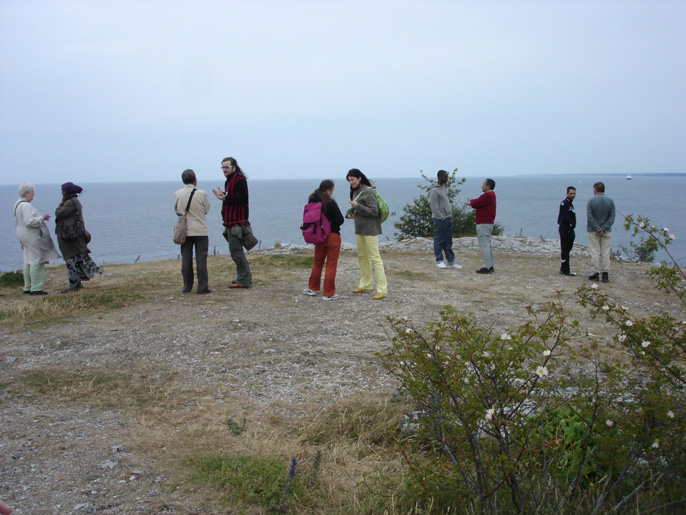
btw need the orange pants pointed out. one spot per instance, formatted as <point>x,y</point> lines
<point>329,252</point>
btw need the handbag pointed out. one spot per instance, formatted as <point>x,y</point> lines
<point>73,231</point>
<point>182,223</point>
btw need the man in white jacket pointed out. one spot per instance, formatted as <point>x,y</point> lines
<point>196,232</point>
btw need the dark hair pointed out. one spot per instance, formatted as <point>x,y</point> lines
<point>491,183</point>
<point>321,195</point>
<point>188,176</point>
<point>441,172</point>
<point>233,163</point>
<point>599,187</point>
<point>570,188</point>
<point>354,172</point>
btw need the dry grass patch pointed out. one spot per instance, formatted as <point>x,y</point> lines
<point>102,389</point>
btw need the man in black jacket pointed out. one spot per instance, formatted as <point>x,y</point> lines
<point>567,222</point>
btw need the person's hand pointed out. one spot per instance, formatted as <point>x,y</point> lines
<point>353,204</point>
<point>46,217</point>
<point>4,509</point>
<point>350,216</point>
<point>219,194</point>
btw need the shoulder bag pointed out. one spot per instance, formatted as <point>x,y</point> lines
<point>182,223</point>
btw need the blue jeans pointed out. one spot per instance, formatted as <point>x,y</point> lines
<point>443,240</point>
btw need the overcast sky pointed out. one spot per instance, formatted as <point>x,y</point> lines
<point>140,90</point>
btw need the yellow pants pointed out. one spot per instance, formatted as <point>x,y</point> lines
<point>368,256</point>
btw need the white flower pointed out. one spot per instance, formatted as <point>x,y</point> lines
<point>546,352</point>
<point>487,354</point>
<point>624,308</point>
<point>594,286</point>
<point>606,307</point>
<point>629,323</point>
<point>505,336</point>
<point>489,413</point>
<point>645,344</point>
<point>622,337</point>
<point>655,445</point>
<point>670,414</point>
<point>409,330</point>
<point>609,423</point>
<point>665,229</point>
<point>542,371</point>
<point>672,237</point>
<point>642,225</point>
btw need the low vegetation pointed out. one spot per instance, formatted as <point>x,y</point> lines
<point>530,419</point>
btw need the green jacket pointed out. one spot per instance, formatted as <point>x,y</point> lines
<point>366,214</point>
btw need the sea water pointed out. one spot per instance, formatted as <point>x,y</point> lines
<point>133,221</point>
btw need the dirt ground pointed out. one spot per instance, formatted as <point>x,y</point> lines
<point>178,366</point>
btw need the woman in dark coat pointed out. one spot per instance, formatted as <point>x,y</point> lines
<point>80,266</point>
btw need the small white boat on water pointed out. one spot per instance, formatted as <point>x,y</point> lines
<point>628,177</point>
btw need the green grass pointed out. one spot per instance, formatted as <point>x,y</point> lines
<point>12,279</point>
<point>254,480</point>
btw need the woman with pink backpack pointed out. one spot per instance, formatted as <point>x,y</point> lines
<point>329,250</point>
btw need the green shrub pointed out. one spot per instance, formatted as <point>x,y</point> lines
<point>416,219</point>
<point>12,279</point>
<point>519,423</point>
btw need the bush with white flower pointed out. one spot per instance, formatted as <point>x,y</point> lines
<point>516,422</point>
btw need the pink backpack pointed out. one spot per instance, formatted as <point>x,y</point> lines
<point>316,226</point>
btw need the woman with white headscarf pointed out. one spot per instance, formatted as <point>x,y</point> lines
<point>35,239</point>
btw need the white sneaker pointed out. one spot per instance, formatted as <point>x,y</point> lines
<point>455,265</point>
<point>309,292</point>
<point>441,264</point>
<point>333,297</point>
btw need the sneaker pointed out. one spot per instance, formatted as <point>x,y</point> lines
<point>361,290</point>
<point>483,270</point>
<point>333,297</point>
<point>454,265</point>
<point>594,277</point>
<point>379,296</point>
<point>440,264</point>
<point>309,292</point>
<point>605,278</point>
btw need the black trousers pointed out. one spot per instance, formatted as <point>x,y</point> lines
<point>202,245</point>
<point>566,243</point>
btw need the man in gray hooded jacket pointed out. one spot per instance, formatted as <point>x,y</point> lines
<point>442,216</point>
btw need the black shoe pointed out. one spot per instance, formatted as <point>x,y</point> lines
<point>605,278</point>
<point>594,277</point>
<point>38,293</point>
<point>204,291</point>
<point>27,292</point>
<point>186,291</point>
<point>72,290</point>
<point>484,270</point>
<point>571,274</point>
<point>491,270</point>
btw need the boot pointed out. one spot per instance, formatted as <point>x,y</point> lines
<point>605,279</point>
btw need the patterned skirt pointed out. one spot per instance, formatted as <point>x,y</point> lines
<point>81,268</point>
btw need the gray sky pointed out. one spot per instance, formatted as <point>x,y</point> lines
<point>140,90</point>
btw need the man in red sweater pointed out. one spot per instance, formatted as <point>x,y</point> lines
<point>484,207</point>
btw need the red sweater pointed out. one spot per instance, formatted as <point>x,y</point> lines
<point>485,208</point>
